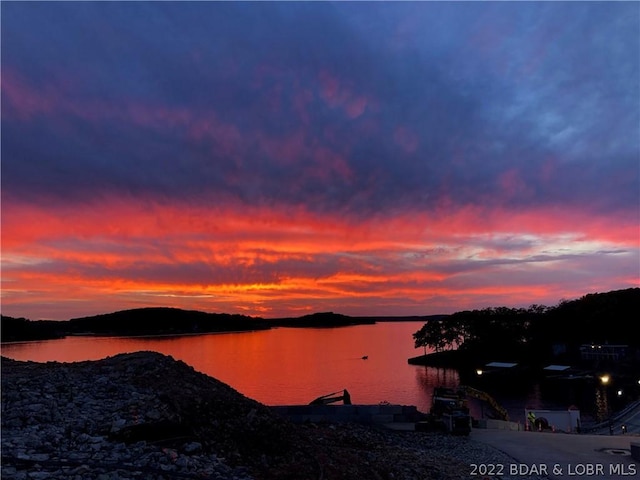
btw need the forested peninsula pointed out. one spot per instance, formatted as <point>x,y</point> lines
<point>535,335</point>
<point>534,331</point>
<point>170,321</point>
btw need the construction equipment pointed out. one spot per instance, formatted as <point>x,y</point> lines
<point>333,398</point>
<point>449,411</point>
<point>484,396</point>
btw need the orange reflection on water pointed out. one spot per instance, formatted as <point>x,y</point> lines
<point>280,366</point>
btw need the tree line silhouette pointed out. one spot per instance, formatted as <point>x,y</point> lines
<point>161,321</point>
<point>537,333</point>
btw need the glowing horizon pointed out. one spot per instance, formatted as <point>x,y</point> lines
<point>395,159</point>
<point>277,265</point>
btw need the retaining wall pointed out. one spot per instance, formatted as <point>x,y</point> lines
<point>350,413</point>
<point>494,424</point>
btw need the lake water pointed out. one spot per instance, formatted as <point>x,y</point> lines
<point>282,365</point>
<point>292,365</point>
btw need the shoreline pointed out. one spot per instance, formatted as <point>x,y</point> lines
<point>146,415</point>
<point>192,334</point>
<point>173,322</point>
<point>95,335</point>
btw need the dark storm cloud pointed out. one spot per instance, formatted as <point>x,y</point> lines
<point>349,107</point>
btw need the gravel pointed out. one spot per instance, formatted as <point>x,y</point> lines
<point>147,416</point>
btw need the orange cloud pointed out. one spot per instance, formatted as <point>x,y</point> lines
<point>280,260</point>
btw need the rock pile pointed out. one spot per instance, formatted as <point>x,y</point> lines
<point>146,416</point>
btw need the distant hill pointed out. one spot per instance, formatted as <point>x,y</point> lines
<point>409,318</point>
<point>330,319</point>
<point>20,329</point>
<point>171,321</point>
<point>135,322</point>
<point>321,319</point>
<point>597,317</point>
<point>537,334</point>
<point>162,321</point>
<point>610,317</point>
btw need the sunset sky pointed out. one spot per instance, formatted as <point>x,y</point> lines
<point>278,159</point>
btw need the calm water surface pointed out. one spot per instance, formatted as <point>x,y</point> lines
<point>295,365</point>
<point>283,365</point>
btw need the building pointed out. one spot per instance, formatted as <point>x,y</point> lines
<point>603,352</point>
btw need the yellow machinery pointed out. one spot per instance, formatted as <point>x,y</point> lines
<point>484,396</point>
<point>449,411</point>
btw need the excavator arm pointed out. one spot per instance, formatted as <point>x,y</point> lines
<point>333,398</point>
<point>480,395</point>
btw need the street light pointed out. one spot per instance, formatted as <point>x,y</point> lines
<point>604,379</point>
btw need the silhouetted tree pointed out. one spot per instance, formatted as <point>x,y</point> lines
<point>532,332</point>
<point>439,334</point>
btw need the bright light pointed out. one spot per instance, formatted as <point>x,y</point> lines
<point>604,379</point>
<point>619,393</point>
<point>479,372</point>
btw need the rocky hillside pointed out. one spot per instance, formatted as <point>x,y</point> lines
<point>145,415</point>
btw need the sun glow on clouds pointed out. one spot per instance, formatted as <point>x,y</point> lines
<point>274,261</point>
<point>280,158</point>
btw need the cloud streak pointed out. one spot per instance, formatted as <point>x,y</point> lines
<point>279,157</point>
